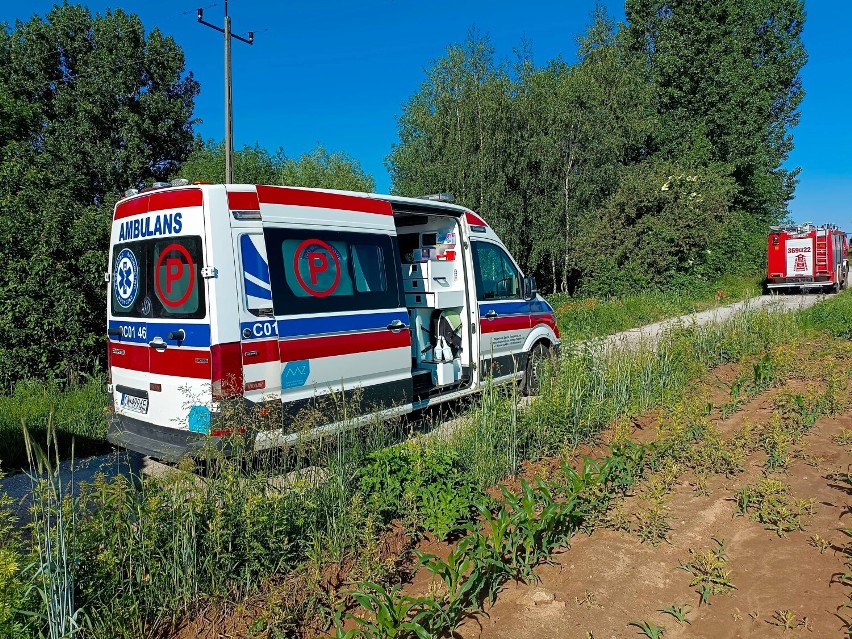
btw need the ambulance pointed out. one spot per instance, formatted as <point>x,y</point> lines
<point>277,296</point>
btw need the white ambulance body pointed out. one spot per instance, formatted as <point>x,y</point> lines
<point>279,294</point>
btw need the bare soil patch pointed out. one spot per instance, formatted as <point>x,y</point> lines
<point>606,580</point>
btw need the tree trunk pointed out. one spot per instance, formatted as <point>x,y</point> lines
<point>566,192</point>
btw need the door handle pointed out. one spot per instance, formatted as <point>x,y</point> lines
<point>396,326</point>
<point>114,332</point>
<point>158,344</point>
<point>490,315</point>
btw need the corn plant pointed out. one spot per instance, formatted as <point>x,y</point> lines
<point>464,578</point>
<point>648,629</point>
<point>539,524</point>
<point>678,611</point>
<point>393,614</point>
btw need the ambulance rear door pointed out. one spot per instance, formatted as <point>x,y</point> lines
<point>159,331</point>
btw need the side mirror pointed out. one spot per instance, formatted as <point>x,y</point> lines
<point>530,289</point>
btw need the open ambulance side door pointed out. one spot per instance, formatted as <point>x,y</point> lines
<point>339,309</point>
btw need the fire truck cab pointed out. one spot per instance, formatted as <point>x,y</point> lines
<point>804,256</point>
<point>275,296</point>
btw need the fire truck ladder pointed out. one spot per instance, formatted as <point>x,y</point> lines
<point>822,250</point>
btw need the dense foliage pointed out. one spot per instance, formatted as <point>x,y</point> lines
<point>89,105</point>
<point>256,165</point>
<point>654,160</point>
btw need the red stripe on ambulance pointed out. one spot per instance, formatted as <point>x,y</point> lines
<point>547,319</point>
<point>500,324</point>
<point>300,197</point>
<point>130,356</point>
<point>260,351</point>
<point>181,362</point>
<point>243,201</point>
<point>171,199</point>
<point>294,350</point>
<point>178,362</point>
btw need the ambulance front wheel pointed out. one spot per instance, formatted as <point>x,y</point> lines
<point>536,362</point>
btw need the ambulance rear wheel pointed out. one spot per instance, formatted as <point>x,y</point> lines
<point>536,362</point>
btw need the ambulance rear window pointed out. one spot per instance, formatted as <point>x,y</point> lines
<point>158,279</point>
<point>328,271</point>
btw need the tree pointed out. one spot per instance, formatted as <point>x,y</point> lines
<point>252,164</point>
<point>90,106</point>
<point>321,169</point>
<point>728,71</point>
<point>536,150</point>
<point>256,165</point>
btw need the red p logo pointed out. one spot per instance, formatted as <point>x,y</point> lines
<point>174,271</point>
<point>317,263</point>
<point>313,258</point>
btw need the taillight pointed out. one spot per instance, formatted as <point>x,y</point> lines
<point>227,371</point>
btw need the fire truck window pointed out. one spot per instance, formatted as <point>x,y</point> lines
<point>496,275</point>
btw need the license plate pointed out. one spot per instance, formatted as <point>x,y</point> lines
<point>135,404</point>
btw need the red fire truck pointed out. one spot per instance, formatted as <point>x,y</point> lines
<point>804,256</point>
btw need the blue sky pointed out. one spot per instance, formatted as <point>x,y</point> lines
<point>338,73</point>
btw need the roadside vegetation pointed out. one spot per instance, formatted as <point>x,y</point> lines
<point>297,546</point>
<point>582,318</point>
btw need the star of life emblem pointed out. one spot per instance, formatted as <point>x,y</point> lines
<point>126,278</point>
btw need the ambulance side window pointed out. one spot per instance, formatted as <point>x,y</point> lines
<point>496,275</point>
<point>318,271</point>
<point>257,292</point>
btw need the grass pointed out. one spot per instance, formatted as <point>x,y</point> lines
<point>582,319</point>
<point>147,556</point>
<point>78,413</point>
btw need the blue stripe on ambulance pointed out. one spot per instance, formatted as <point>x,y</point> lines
<point>255,272</point>
<point>514,307</point>
<point>305,326</point>
<point>197,335</point>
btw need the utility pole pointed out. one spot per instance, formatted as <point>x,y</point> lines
<point>229,123</point>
